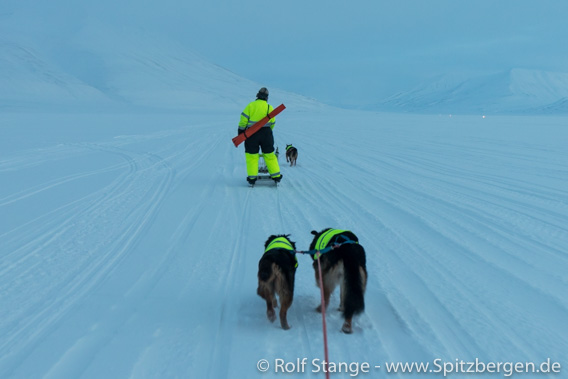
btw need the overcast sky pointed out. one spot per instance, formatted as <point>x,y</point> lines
<point>340,52</point>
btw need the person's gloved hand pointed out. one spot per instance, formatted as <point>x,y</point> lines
<point>241,131</point>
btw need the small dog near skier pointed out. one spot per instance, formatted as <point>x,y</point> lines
<point>261,140</point>
<point>291,154</point>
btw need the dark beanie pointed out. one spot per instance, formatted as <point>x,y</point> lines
<point>262,94</point>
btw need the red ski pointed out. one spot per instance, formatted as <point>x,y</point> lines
<point>259,124</point>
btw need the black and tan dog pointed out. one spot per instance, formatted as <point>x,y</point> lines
<point>291,154</point>
<point>344,265</point>
<point>276,273</point>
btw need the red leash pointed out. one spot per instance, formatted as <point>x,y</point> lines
<point>323,306</point>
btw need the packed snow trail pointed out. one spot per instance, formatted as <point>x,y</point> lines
<point>133,251</point>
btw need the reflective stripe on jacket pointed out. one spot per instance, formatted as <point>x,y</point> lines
<point>255,112</point>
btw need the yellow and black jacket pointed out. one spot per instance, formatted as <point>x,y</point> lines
<point>254,112</point>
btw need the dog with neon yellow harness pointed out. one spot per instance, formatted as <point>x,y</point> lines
<point>343,263</point>
<point>276,274</point>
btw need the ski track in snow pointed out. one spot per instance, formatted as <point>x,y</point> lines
<point>144,265</point>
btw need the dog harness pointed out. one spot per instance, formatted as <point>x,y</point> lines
<point>326,238</point>
<point>282,243</point>
<point>289,147</point>
<point>330,237</point>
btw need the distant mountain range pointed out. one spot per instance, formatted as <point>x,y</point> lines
<point>516,91</point>
<point>27,79</point>
<point>114,71</point>
<point>117,70</point>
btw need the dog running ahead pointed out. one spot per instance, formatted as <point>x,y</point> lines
<point>344,265</point>
<point>276,273</point>
<point>291,154</point>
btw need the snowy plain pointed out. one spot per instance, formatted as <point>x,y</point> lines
<point>129,240</point>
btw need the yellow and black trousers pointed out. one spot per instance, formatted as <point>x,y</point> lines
<point>261,140</point>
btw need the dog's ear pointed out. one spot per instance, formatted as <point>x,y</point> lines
<point>269,240</point>
<point>287,236</point>
<point>315,233</point>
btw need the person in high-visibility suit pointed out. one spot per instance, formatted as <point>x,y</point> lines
<point>263,139</point>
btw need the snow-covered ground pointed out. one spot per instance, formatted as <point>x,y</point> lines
<point>130,242</point>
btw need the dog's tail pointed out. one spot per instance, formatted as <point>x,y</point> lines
<point>355,276</point>
<point>272,279</point>
<point>264,270</point>
<point>265,286</point>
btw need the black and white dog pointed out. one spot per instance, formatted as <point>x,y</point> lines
<point>344,265</point>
